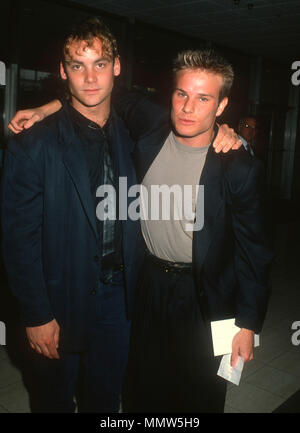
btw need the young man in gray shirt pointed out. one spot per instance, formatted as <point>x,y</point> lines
<point>196,270</point>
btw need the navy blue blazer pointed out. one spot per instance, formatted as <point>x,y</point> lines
<point>232,253</point>
<point>50,242</point>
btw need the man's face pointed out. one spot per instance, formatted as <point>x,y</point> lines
<point>90,74</point>
<point>248,128</point>
<point>195,104</point>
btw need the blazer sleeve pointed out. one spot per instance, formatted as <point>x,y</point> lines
<point>141,114</point>
<point>21,218</point>
<point>253,251</point>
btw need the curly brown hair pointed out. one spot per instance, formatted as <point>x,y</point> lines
<point>89,29</point>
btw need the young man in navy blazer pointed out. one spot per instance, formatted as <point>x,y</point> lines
<point>72,273</point>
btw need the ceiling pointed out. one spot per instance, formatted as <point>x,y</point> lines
<point>270,28</point>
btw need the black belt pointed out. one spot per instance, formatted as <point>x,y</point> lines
<point>175,267</point>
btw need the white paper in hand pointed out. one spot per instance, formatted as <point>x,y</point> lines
<point>223,332</point>
<point>232,374</point>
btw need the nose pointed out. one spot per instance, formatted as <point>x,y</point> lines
<point>90,76</point>
<point>188,106</point>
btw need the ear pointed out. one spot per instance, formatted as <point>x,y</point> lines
<point>117,67</point>
<point>221,106</point>
<point>62,71</point>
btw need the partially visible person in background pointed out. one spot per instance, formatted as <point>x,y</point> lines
<point>247,129</point>
<point>250,130</point>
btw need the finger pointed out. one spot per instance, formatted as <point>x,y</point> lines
<point>53,353</point>
<point>219,138</point>
<point>37,348</point>
<point>16,125</point>
<point>56,338</point>
<point>232,144</point>
<point>44,350</point>
<point>226,148</point>
<point>231,141</point>
<point>52,349</point>
<point>225,144</point>
<point>234,358</point>
<point>14,129</point>
<point>248,357</point>
<point>219,147</point>
<point>220,135</point>
<point>20,117</point>
<point>223,147</point>
<point>30,122</point>
<point>32,345</point>
<point>237,144</point>
<point>245,354</point>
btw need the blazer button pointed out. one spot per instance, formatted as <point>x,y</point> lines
<point>93,292</point>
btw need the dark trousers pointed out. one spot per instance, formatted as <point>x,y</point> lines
<point>171,367</point>
<point>94,376</point>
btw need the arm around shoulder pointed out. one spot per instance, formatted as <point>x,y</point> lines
<point>140,113</point>
<point>24,119</point>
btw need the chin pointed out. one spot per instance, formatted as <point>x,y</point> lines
<point>91,103</point>
<point>185,132</point>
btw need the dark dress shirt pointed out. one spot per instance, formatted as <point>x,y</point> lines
<point>103,170</point>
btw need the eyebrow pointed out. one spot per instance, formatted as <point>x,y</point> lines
<point>199,94</point>
<point>101,59</point>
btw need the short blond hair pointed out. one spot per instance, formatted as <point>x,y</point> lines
<point>206,60</point>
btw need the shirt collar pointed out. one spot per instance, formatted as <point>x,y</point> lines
<point>84,122</point>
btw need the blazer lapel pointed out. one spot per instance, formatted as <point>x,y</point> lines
<point>211,179</point>
<point>122,147</point>
<point>75,164</point>
<point>147,149</point>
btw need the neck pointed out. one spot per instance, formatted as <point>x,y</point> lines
<point>201,140</point>
<point>98,114</point>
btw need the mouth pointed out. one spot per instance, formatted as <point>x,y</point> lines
<point>91,91</point>
<point>186,121</point>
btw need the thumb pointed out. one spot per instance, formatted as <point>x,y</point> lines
<point>234,358</point>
